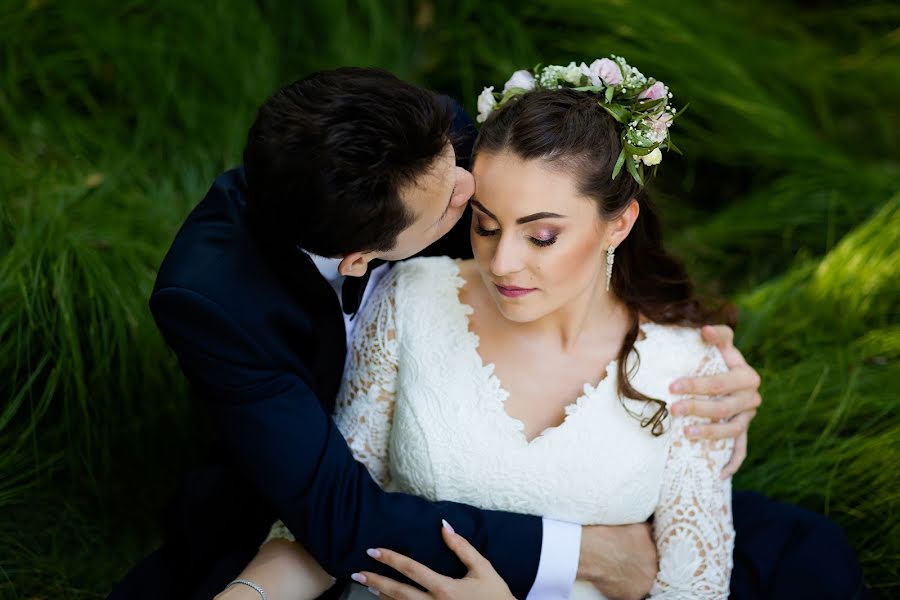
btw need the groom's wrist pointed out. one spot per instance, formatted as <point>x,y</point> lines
<point>619,560</point>
<point>590,559</point>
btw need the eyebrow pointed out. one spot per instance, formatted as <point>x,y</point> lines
<point>520,220</point>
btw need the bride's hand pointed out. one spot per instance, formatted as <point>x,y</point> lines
<point>481,582</point>
<point>737,392</point>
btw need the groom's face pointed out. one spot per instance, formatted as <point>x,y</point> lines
<point>437,199</point>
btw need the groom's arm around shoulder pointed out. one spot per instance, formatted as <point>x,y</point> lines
<point>284,443</point>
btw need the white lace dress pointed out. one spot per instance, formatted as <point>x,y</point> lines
<point>426,416</point>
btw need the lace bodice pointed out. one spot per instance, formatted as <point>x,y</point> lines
<point>426,416</point>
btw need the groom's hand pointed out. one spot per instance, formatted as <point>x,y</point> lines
<point>737,393</point>
<point>481,583</point>
<point>619,560</point>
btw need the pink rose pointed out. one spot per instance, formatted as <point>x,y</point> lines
<point>607,70</point>
<point>660,126</point>
<point>654,92</point>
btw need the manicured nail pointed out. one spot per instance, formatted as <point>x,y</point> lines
<point>692,431</point>
<point>677,387</point>
<point>374,592</point>
<point>447,526</point>
<point>373,553</point>
<point>676,410</point>
<point>359,578</point>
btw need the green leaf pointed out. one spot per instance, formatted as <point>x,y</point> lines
<point>516,91</point>
<point>633,169</point>
<point>671,145</point>
<point>650,105</point>
<point>640,150</point>
<point>619,162</point>
<point>618,112</point>
<point>588,88</point>
<point>684,108</point>
<point>609,93</point>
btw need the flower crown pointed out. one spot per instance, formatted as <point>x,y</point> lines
<point>640,104</point>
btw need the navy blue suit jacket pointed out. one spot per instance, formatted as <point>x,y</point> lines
<point>260,335</point>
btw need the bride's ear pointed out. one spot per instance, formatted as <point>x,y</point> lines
<point>354,264</point>
<point>620,227</point>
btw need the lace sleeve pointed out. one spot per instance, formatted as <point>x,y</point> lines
<point>365,404</point>
<point>692,523</point>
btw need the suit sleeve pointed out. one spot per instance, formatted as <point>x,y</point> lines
<point>284,444</point>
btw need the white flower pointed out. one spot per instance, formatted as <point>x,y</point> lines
<point>550,76</point>
<point>520,79</point>
<point>633,77</point>
<point>573,74</point>
<point>585,70</point>
<point>654,158</point>
<point>486,104</point>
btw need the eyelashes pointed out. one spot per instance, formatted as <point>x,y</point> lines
<point>539,242</point>
<point>543,243</point>
<point>485,232</point>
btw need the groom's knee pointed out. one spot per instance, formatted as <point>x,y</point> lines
<point>784,551</point>
<point>822,556</point>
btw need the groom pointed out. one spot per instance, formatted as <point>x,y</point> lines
<point>357,165</point>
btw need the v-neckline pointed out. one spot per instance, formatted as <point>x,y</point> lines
<point>492,381</point>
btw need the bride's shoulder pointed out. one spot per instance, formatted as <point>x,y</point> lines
<point>428,276</point>
<point>675,343</point>
<point>426,267</point>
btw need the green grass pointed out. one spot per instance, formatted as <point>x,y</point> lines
<point>826,338</point>
<point>115,117</point>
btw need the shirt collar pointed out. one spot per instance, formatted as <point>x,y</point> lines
<point>328,267</point>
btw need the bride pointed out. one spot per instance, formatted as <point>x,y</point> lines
<point>534,377</point>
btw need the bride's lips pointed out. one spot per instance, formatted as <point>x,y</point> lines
<point>511,291</point>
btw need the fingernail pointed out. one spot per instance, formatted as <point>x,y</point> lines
<point>373,553</point>
<point>359,578</point>
<point>374,592</point>
<point>691,431</point>
<point>676,410</point>
<point>677,387</point>
<point>447,526</point>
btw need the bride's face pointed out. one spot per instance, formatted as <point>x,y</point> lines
<point>539,244</point>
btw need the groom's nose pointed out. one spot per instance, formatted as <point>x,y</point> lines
<point>465,187</point>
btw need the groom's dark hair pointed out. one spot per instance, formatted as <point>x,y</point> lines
<point>327,157</point>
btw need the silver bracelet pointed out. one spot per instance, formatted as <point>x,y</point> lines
<point>248,584</point>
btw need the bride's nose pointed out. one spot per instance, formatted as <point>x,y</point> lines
<point>507,257</point>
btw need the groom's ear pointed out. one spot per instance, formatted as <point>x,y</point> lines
<point>355,264</point>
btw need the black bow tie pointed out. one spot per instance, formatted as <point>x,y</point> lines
<point>354,287</point>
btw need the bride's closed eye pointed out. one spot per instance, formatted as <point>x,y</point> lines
<point>547,239</point>
<point>483,232</point>
<point>542,241</point>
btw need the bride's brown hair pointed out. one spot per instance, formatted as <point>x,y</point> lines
<point>568,129</point>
